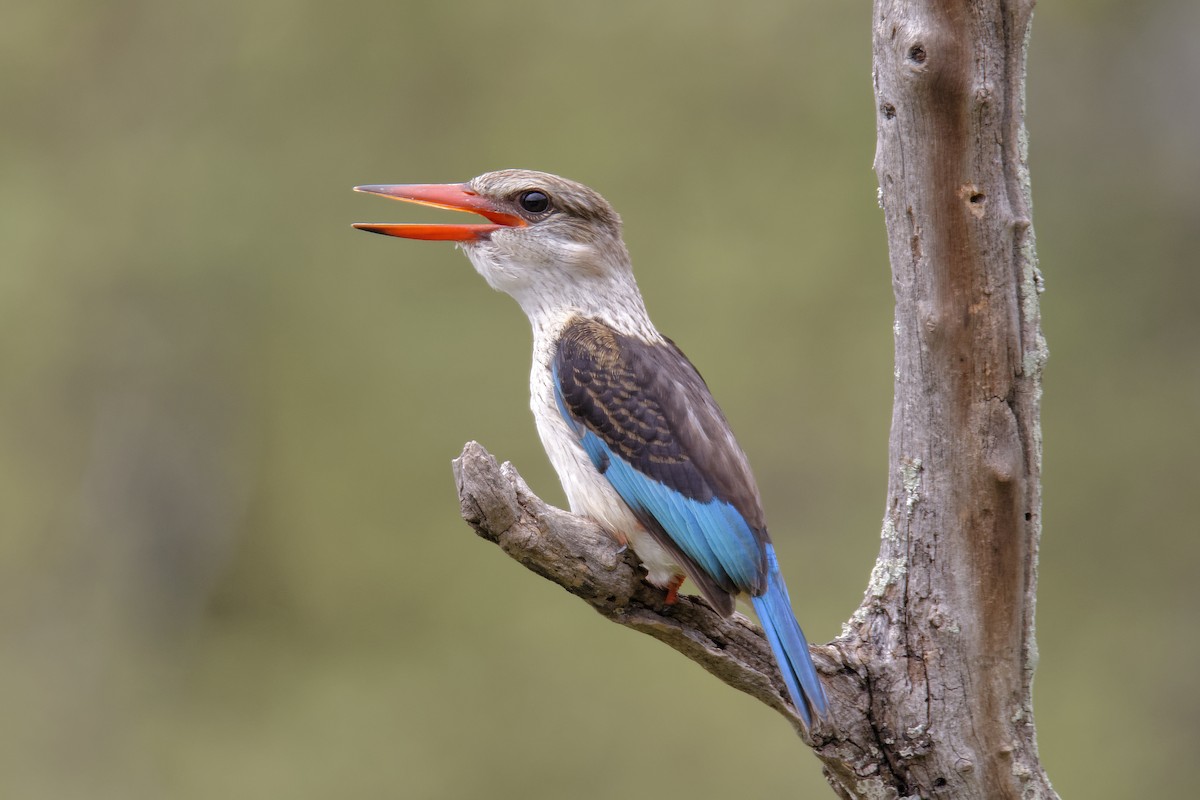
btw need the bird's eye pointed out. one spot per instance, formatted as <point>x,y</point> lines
<point>534,202</point>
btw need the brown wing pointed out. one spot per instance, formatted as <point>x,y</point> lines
<point>650,425</point>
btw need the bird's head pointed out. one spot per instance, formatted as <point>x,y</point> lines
<point>549,241</point>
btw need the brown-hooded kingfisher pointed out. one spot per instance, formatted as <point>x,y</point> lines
<point>639,443</point>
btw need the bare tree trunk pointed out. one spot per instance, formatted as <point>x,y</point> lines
<point>930,681</point>
<point>945,638</point>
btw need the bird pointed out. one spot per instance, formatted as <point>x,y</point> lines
<point>630,426</point>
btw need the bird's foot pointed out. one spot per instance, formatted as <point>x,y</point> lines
<point>673,589</point>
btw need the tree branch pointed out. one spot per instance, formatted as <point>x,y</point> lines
<point>577,555</point>
<point>930,682</point>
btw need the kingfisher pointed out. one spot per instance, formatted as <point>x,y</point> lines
<point>633,432</point>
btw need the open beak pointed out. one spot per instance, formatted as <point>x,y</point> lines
<point>455,196</point>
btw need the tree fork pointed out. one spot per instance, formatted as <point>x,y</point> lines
<point>930,681</point>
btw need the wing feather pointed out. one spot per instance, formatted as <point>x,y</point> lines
<point>650,426</point>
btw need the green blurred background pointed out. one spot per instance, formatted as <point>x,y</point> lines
<point>231,563</point>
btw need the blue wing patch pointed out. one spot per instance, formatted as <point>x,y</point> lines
<point>710,531</point>
<point>712,534</point>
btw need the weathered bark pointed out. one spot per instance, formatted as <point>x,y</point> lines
<point>576,554</point>
<point>930,681</point>
<point>946,638</point>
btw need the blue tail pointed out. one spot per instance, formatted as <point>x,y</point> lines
<point>774,611</point>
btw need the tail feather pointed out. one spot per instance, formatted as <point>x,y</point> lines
<point>774,610</point>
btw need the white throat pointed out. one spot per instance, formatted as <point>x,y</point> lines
<point>574,283</point>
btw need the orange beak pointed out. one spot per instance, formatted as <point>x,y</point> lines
<point>455,196</point>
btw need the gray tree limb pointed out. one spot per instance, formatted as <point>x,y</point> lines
<point>930,682</point>
<point>578,555</point>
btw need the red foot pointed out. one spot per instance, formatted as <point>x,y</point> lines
<point>673,589</point>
